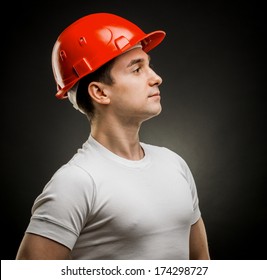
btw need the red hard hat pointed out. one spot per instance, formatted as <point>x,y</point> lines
<point>90,42</point>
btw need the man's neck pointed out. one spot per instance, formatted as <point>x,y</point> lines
<point>121,140</point>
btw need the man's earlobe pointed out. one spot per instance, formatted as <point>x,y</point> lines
<point>98,94</point>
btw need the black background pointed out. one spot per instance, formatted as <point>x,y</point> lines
<point>213,65</point>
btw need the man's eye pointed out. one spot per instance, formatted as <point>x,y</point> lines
<point>137,70</point>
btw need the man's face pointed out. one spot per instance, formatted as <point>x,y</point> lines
<point>135,94</point>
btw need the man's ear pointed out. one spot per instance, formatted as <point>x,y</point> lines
<point>98,93</point>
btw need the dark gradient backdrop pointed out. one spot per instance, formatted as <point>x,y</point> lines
<point>213,63</point>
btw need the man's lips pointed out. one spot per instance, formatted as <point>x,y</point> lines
<point>154,94</point>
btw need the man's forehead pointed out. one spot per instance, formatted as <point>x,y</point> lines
<point>132,55</point>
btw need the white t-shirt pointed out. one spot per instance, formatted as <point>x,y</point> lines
<point>102,206</point>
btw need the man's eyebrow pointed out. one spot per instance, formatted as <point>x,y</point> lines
<point>138,60</point>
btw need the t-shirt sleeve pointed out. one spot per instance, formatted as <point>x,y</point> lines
<point>193,189</point>
<point>190,179</point>
<point>61,210</point>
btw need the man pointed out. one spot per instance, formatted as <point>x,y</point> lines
<point>117,198</point>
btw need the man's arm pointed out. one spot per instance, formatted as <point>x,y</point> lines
<point>198,242</point>
<point>36,247</point>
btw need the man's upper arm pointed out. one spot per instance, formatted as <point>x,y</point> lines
<point>36,247</point>
<point>198,242</point>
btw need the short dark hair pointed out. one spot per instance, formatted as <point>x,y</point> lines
<point>102,74</point>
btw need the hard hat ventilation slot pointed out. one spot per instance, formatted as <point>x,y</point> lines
<point>82,41</point>
<point>63,55</point>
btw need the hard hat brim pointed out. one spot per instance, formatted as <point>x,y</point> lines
<point>152,39</point>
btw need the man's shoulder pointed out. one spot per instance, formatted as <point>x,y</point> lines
<point>161,150</point>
